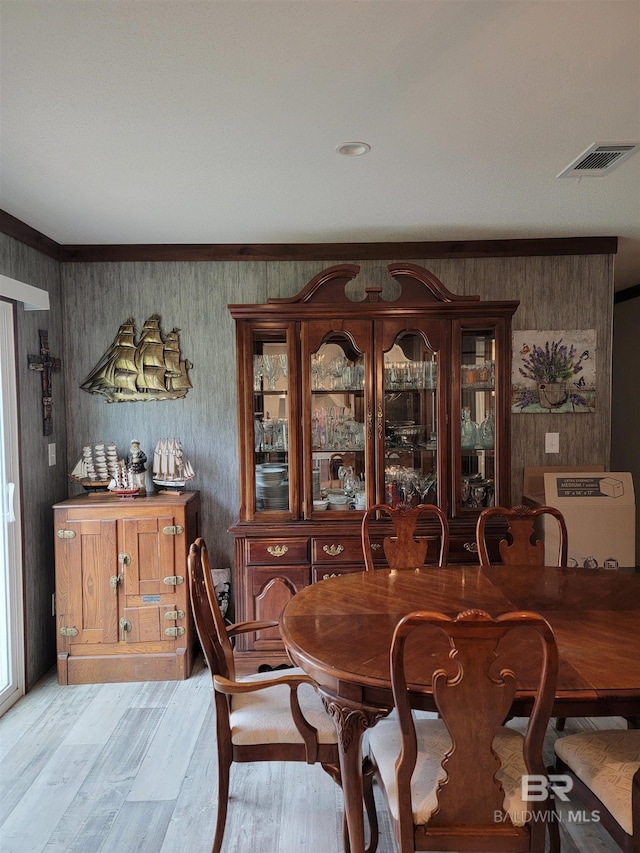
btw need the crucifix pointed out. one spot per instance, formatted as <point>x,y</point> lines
<point>45,364</point>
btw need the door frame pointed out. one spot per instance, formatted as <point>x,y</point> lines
<point>9,448</point>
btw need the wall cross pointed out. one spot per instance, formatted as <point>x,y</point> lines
<point>46,365</point>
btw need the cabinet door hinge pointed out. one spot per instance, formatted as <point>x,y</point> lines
<point>66,534</point>
<point>174,580</point>
<point>173,530</point>
<point>69,632</point>
<point>174,614</point>
<point>174,632</point>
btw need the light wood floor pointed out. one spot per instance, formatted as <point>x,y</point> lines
<point>118,768</point>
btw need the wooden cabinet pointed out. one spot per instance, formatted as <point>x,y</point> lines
<point>122,599</point>
<point>351,394</point>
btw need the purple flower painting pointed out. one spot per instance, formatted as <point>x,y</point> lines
<point>553,371</point>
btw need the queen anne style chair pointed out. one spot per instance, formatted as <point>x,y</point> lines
<point>261,717</point>
<point>522,545</point>
<point>605,769</point>
<point>403,549</point>
<point>454,783</point>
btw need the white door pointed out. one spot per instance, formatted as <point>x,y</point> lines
<point>11,628</point>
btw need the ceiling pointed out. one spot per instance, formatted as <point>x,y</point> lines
<point>144,121</point>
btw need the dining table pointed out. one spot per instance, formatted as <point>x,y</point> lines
<point>339,630</point>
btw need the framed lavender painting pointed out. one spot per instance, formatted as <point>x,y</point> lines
<point>553,371</point>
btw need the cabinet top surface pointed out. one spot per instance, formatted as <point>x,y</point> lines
<point>95,499</point>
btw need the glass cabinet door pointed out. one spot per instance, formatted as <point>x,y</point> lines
<point>477,425</point>
<point>410,392</point>
<point>271,434</point>
<point>338,438</point>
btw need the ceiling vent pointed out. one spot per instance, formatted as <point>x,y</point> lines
<point>599,159</point>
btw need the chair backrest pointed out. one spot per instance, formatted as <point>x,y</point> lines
<point>474,666</point>
<point>402,548</point>
<point>522,545</point>
<point>207,616</point>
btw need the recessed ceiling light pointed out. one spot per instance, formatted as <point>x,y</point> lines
<point>353,149</point>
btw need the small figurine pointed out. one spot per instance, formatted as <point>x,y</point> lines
<point>135,465</point>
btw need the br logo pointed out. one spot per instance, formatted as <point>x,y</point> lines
<point>534,787</point>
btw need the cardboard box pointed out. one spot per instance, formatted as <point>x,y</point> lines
<point>600,514</point>
<point>533,485</point>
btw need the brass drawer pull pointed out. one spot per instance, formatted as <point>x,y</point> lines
<point>471,546</point>
<point>375,546</point>
<point>277,550</point>
<point>333,550</point>
<point>326,576</point>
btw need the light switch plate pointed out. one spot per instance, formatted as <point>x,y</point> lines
<point>52,454</point>
<point>552,442</point>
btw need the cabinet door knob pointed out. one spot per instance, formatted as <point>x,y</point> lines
<point>124,559</point>
<point>333,550</point>
<point>277,550</point>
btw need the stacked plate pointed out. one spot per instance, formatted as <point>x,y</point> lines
<point>272,485</point>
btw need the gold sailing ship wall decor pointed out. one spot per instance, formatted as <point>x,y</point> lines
<point>148,369</point>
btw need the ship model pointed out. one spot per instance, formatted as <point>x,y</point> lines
<point>149,369</point>
<point>171,471</point>
<point>96,467</point>
<point>124,481</point>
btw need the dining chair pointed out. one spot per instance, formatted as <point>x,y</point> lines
<point>604,767</point>
<point>522,545</point>
<point>456,783</point>
<point>402,548</point>
<point>259,717</point>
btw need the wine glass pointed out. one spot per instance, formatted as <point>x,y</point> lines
<point>272,367</point>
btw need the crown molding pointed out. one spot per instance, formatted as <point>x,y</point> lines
<point>398,251</point>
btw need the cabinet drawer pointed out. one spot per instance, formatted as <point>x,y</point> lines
<point>463,549</point>
<point>277,551</point>
<point>321,573</point>
<point>337,549</point>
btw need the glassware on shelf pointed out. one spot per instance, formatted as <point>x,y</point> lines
<point>271,435</point>
<point>409,375</point>
<point>468,430</point>
<point>479,377</point>
<point>487,431</point>
<point>335,429</point>
<point>257,372</point>
<point>406,485</point>
<point>273,367</point>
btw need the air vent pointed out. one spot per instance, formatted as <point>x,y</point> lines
<point>599,159</point>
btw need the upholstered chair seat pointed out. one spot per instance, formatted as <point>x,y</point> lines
<point>606,763</point>
<point>265,716</point>
<point>434,741</point>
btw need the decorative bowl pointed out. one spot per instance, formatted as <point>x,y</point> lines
<point>320,504</point>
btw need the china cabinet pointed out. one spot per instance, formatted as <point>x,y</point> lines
<point>122,599</point>
<point>350,394</point>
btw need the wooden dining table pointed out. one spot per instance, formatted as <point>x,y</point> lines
<point>339,631</point>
